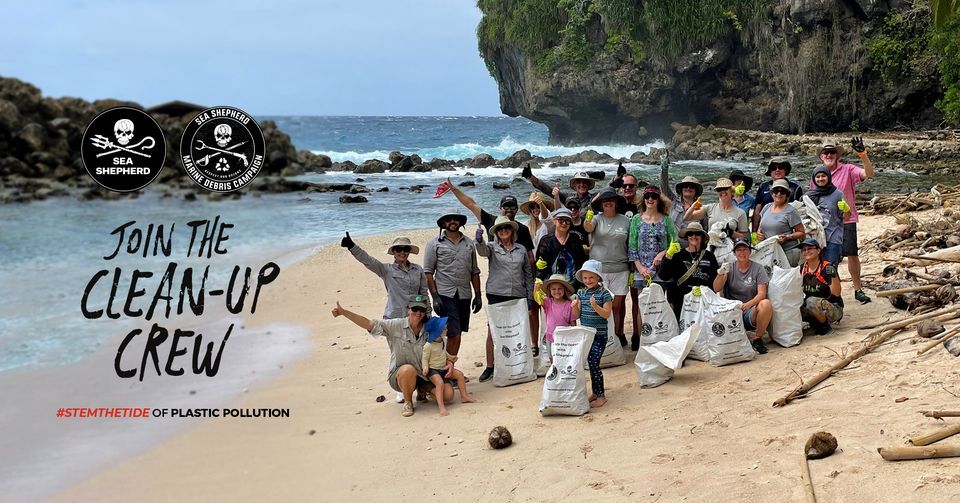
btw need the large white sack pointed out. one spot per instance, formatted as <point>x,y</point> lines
<point>785,292</point>
<point>657,362</point>
<point>659,322</point>
<point>565,385</point>
<point>769,253</point>
<point>726,337</point>
<point>613,355</point>
<point>542,363</point>
<point>510,327</point>
<point>811,219</point>
<point>719,242</point>
<point>690,313</point>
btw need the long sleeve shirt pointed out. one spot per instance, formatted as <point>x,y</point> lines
<point>401,284</point>
<point>510,274</point>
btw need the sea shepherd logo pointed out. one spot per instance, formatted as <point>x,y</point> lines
<point>222,149</point>
<point>123,149</point>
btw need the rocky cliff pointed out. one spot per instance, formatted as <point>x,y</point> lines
<point>598,71</point>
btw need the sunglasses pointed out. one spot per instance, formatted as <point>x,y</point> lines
<point>564,221</point>
<point>509,207</point>
<point>651,196</point>
<point>401,249</point>
<point>628,186</point>
<point>504,229</point>
<point>780,192</point>
<point>722,189</point>
<point>688,187</point>
<point>418,309</point>
<point>779,167</point>
<point>573,207</point>
<point>829,152</point>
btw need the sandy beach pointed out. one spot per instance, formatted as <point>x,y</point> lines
<point>709,434</point>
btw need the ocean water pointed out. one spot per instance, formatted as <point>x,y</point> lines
<point>50,249</point>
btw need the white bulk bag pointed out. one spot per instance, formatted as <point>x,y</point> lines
<point>785,292</point>
<point>542,363</point>
<point>510,328</point>
<point>769,253</point>
<point>657,362</point>
<point>723,339</point>
<point>659,322</point>
<point>690,313</point>
<point>565,385</point>
<point>612,353</point>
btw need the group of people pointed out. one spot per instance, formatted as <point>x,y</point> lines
<point>582,253</point>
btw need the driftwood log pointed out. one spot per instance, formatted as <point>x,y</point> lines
<point>925,452</point>
<point>936,436</point>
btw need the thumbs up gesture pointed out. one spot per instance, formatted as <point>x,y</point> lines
<point>844,207</point>
<point>673,249</point>
<point>337,311</point>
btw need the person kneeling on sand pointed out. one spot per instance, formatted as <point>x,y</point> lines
<point>822,304</point>
<point>747,282</point>
<point>406,338</point>
<point>438,364</point>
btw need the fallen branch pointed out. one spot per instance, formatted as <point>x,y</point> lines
<point>898,291</point>
<point>952,310</point>
<point>808,481</point>
<point>940,414</point>
<point>950,334</point>
<point>926,452</point>
<point>936,436</point>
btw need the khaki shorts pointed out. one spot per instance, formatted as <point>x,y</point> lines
<point>829,310</point>
<point>616,282</point>
<point>422,381</point>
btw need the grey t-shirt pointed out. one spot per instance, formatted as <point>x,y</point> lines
<point>717,214</point>
<point>775,224</point>
<point>742,286</point>
<point>608,242</point>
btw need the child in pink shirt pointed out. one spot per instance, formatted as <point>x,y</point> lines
<point>557,308</point>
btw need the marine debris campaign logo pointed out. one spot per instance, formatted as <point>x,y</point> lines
<point>222,149</point>
<point>123,149</point>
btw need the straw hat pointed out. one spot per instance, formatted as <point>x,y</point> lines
<point>831,146</point>
<point>503,221</point>
<point>693,227</point>
<point>535,197</point>
<point>689,180</point>
<point>402,241</point>
<point>723,183</point>
<point>558,279</point>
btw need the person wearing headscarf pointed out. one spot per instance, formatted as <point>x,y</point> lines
<point>833,209</point>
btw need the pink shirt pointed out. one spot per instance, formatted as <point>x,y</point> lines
<point>558,314</point>
<point>846,177</point>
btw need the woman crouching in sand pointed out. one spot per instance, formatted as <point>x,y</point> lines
<point>406,338</point>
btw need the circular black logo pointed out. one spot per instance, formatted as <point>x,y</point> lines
<point>552,373</point>
<point>505,351</point>
<point>719,329</point>
<point>123,149</point>
<point>646,329</point>
<point>222,149</point>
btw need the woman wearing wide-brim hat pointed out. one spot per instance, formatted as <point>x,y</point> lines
<point>539,210</point>
<point>684,268</point>
<point>402,279</point>
<point>510,276</point>
<point>609,230</point>
<point>777,169</point>
<point>687,192</point>
<point>742,184</point>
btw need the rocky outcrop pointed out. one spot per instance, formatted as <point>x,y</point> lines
<point>801,66</point>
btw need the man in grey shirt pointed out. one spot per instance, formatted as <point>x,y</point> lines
<point>450,265</point>
<point>747,282</point>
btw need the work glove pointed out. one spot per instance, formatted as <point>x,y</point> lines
<point>754,239</point>
<point>479,233</point>
<point>724,268</point>
<point>541,264</point>
<point>630,279</point>
<point>698,204</point>
<point>621,170</point>
<point>538,296</point>
<point>437,303</point>
<point>844,207</point>
<point>589,216</point>
<point>857,144</point>
<point>527,172</point>
<point>477,304</point>
<point>696,291</point>
<point>664,162</point>
<point>347,243</point>
<point>740,190</point>
<point>673,249</point>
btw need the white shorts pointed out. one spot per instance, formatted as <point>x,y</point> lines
<point>616,282</point>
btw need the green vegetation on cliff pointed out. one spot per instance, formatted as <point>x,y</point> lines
<point>947,41</point>
<point>557,33</point>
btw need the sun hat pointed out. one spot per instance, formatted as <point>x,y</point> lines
<point>418,301</point>
<point>589,266</point>
<point>582,175</point>
<point>605,194</point>
<point>693,227</point>
<point>779,160</point>
<point>723,183</point>
<point>562,213</point>
<point>831,146</point>
<point>689,180</point>
<point>503,221</point>
<point>402,241</point>
<point>738,175</point>
<point>744,241</point>
<point>810,242</point>
<point>535,197</point>
<point>459,216</point>
<point>434,327</point>
<point>780,184</point>
<point>558,279</point>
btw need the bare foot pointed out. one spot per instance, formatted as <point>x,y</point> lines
<point>443,412</point>
<point>467,399</point>
<point>598,402</point>
<point>591,398</point>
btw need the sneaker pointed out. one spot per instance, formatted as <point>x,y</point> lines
<point>861,296</point>
<point>635,343</point>
<point>487,374</point>
<point>407,409</point>
<point>623,339</point>
<point>759,347</point>
<point>399,397</point>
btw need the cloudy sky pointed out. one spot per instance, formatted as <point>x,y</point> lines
<point>298,57</point>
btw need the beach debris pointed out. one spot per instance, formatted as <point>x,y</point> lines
<point>500,437</point>
<point>820,445</point>
<point>901,399</point>
<point>381,398</point>
<point>478,364</point>
<point>312,432</point>
<point>945,338</point>
<point>193,392</point>
<point>352,199</point>
<point>914,452</point>
<point>940,414</point>
<point>952,346</point>
<point>929,328</point>
<point>936,436</point>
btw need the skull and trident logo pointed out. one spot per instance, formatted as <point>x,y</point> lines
<point>123,132</point>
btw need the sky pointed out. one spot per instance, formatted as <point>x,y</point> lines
<point>321,57</point>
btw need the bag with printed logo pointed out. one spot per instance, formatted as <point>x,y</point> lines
<point>723,339</point>
<point>613,355</point>
<point>542,362</point>
<point>769,253</point>
<point>659,322</point>
<point>512,357</point>
<point>690,313</point>
<point>811,219</point>
<point>657,362</point>
<point>785,292</point>
<point>565,385</point>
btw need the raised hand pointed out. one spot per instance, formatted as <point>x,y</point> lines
<point>843,206</point>
<point>698,204</point>
<point>857,144</point>
<point>589,215</point>
<point>541,264</point>
<point>740,190</point>
<point>673,249</point>
<point>724,268</point>
<point>479,233</point>
<point>337,311</point>
<point>347,243</point>
<point>527,172</point>
<point>621,170</point>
